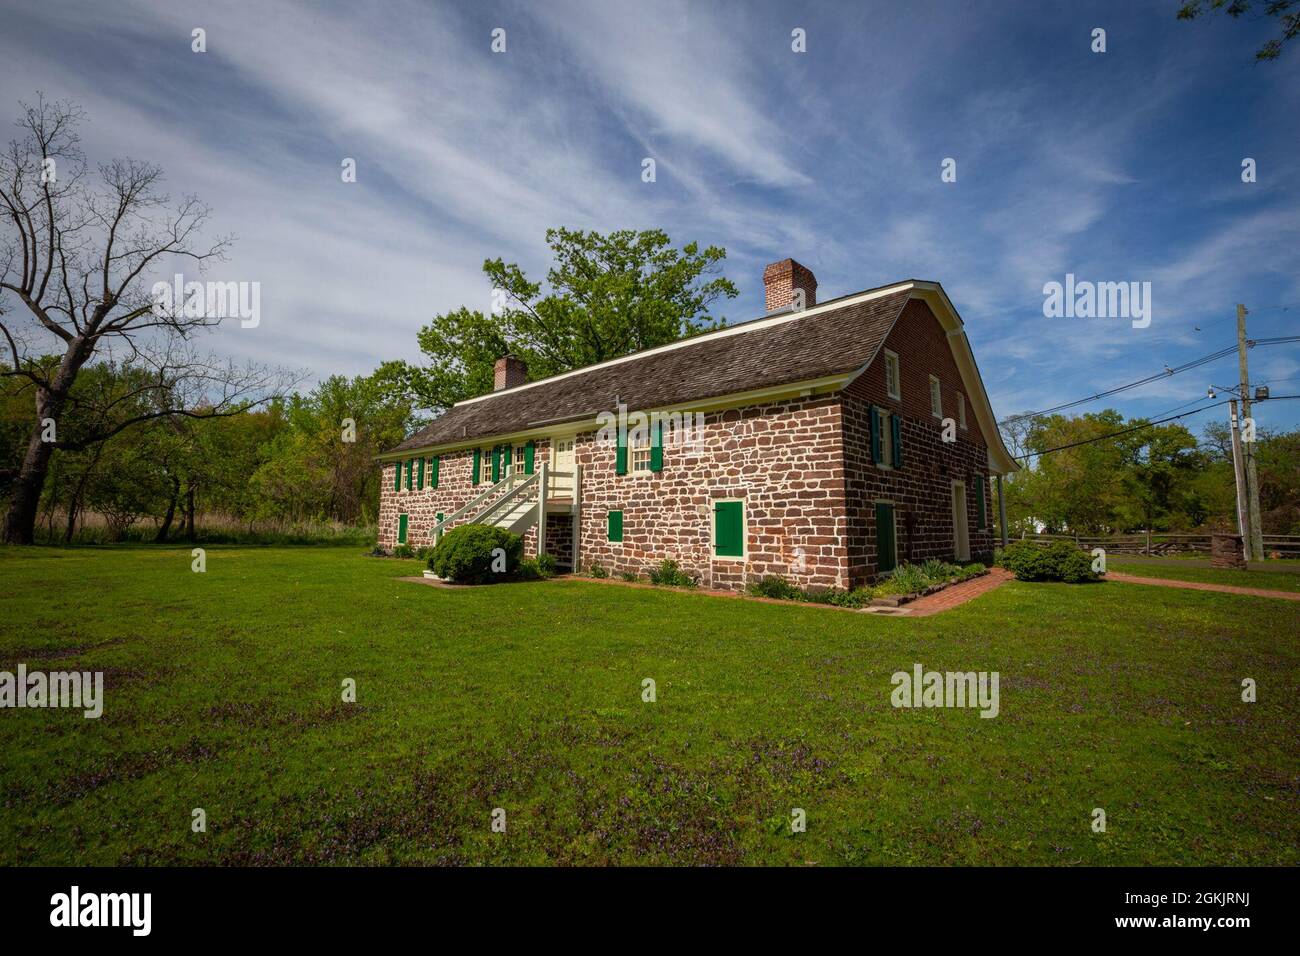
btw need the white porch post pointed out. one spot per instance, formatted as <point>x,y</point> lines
<point>542,489</point>
<point>577,514</point>
<point>1002,512</point>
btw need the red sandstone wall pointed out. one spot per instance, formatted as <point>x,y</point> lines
<point>921,490</point>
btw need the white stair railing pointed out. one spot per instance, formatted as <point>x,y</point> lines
<point>518,485</point>
<point>445,524</point>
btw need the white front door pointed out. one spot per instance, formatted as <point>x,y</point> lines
<point>960,531</point>
<point>563,460</point>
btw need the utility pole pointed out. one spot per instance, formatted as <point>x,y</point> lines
<point>1252,530</point>
<point>1239,471</point>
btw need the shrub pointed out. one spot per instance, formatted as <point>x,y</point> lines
<point>1028,562</point>
<point>972,570</point>
<point>1059,561</point>
<point>669,574</point>
<point>628,575</point>
<point>598,572</point>
<point>939,571</point>
<point>546,565</point>
<point>906,579</point>
<point>464,554</point>
<point>858,597</point>
<point>531,569</point>
<point>1075,567</point>
<point>403,551</point>
<point>775,586</point>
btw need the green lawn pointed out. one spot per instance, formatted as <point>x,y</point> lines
<point>1269,580</point>
<point>224,693</point>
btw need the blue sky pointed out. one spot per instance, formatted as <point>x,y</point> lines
<point>1122,166</point>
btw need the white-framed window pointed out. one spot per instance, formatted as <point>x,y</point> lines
<point>886,440</point>
<point>641,455</point>
<point>936,398</point>
<point>893,381</point>
<point>961,409</point>
<point>521,459</point>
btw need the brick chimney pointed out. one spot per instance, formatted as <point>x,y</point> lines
<point>509,372</point>
<point>781,279</point>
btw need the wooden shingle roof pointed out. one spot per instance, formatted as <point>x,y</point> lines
<point>823,341</point>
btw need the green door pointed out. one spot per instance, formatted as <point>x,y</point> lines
<point>886,546</point>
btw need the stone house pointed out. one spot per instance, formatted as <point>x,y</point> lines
<point>825,443</point>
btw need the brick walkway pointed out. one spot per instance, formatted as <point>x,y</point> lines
<point>958,594</point>
<point>1199,586</point>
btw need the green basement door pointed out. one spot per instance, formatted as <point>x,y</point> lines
<point>886,545</point>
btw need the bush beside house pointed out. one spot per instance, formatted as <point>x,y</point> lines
<point>465,554</point>
<point>1058,561</point>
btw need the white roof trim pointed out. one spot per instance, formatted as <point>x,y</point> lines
<point>742,328</point>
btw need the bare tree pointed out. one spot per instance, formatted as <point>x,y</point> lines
<point>76,252</point>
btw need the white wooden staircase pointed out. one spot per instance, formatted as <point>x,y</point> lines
<point>519,501</point>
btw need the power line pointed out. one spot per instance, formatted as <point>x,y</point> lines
<point>1195,363</point>
<point>1170,411</point>
<point>1203,360</point>
<point>1135,428</point>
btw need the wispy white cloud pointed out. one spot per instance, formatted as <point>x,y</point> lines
<point>1067,161</point>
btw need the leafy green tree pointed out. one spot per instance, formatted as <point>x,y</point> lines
<point>1159,464</point>
<point>1075,489</point>
<point>1277,463</point>
<point>1286,11</point>
<point>605,296</point>
<point>321,465</point>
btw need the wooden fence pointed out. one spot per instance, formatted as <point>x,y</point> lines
<point>1160,543</point>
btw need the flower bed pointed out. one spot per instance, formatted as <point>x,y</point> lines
<point>905,583</point>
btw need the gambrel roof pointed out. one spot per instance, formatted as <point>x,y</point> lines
<point>826,345</point>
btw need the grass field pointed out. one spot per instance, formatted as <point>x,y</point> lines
<point>223,693</point>
<point>1269,580</point>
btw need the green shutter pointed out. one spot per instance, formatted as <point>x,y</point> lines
<point>876,457</point>
<point>614,526</point>
<point>729,529</point>
<point>620,455</point>
<point>477,465</point>
<point>419,470</point>
<point>397,476</point>
<point>886,552</point>
<point>433,471</point>
<point>530,454</point>
<point>657,446</point>
<point>410,472</point>
<point>979,491</point>
<point>896,436</point>
<point>496,463</point>
<point>401,529</point>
